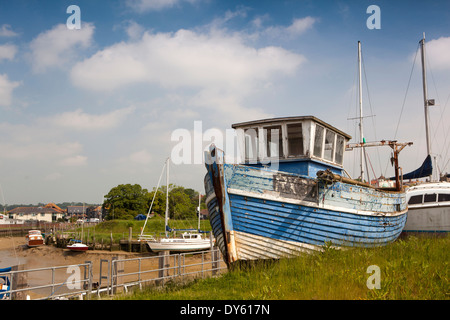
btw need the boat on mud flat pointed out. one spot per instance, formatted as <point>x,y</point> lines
<point>189,241</point>
<point>34,238</point>
<point>76,245</point>
<point>186,243</point>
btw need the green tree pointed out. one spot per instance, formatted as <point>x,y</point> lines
<point>159,204</point>
<point>180,205</point>
<point>126,201</point>
<point>182,202</point>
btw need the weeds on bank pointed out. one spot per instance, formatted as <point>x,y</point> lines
<point>411,268</point>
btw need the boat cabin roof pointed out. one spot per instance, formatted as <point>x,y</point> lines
<point>269,121</point>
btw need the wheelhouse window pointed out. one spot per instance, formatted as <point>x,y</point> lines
<point>430,198</point>
<point>443,197</point>
<point>318,141</point>
<point>339,153</point>
<point>274,141</point>
<point>415,199</point>
<point>328,152</point>
<point>295,140</point>
<point>251,144</point>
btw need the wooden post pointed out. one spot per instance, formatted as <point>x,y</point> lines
<point>111,241</point>
<point>130,233</point>
<point>93,239</point>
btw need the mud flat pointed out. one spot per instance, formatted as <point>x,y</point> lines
<point>14,251</point>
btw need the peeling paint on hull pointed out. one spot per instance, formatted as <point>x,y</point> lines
<point>262,214</point>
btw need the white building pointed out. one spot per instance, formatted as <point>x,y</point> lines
<point>35,214</point>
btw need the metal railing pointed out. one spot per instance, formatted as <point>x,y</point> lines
<point>115,276</point>
<point>18,287</point>
<point>126,273</point>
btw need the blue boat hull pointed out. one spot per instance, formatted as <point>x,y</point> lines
<point>261,214</point>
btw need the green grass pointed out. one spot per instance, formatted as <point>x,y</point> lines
<point>411,268</point>
<point>120,228</point>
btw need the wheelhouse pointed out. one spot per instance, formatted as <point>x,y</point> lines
<point>302,145</point>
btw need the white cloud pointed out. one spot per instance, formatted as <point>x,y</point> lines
<point>298,27</point>
<point>38,150</point>
<point>185,59</point>
<point>7,51</point>
<point>59,46</point>
<point>155,5</point>
<point>134,30</point>
<point>80,120</point>
<point>6,89</point>
<point>438,52</point>
<point>5,31</point>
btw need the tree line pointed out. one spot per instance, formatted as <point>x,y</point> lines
<point>126,201</point>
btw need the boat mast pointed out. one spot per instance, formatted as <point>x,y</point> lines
<point>199,201</point>
<point>425,96</point>
<point>166,220</point>
<point>361,135</point>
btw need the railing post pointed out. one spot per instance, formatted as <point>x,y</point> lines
<point>139,274</point>
<point>214,258</point>
<point>90,278</point>
<point>113,275</point>
<point>163,255</point>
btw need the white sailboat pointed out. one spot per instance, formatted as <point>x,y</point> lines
<point>428,202</point>
<point>189,241</point>
<point>78,245</point>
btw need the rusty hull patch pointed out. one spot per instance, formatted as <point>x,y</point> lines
<point>295,187</point>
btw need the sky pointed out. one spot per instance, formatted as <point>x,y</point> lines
<point>84,108</point>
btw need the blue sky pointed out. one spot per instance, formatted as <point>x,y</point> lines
<point>82,111</point>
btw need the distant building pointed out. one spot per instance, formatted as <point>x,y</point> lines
<point>35,214</point>
<point>94,212</point>
<point>76,211</point>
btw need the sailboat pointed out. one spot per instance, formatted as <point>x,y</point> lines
<point>78,245</point>
<point>429,202</point>
<point>289,195</point>
<point>189,241</point>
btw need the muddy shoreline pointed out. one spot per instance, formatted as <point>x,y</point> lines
<point>14,251</point>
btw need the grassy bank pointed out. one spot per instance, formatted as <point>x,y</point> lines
<point>410,268</point>
<point>120,228</point>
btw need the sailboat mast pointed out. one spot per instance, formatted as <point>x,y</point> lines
<point>199,201</point>
<point>361,134</point>
<point>166,221</point>
<point>425,94</point>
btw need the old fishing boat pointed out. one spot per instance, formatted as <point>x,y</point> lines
<point>34,238</point>
<point>190,240</point>
<point>428,202</point>
<point>290,195</point>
